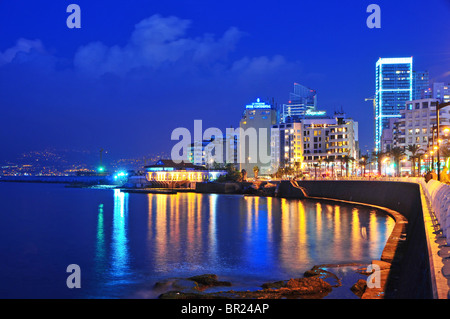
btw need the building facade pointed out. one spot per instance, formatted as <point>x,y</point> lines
<point>254,137</point>
<point>418,121</point>
<point>441,92</point>
<point>165,171</point>
<point>286,145</point>
<point>421,84</point>
<point>311,142</point>
<point>393,87</point>
<point>389,136</point>
<point>418,126</point>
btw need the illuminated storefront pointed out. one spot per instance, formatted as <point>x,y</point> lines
<point>167,171</point>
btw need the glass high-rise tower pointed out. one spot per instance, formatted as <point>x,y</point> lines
<point>394,86</point>
<point>301,101</point>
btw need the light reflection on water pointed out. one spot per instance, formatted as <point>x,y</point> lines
<point>119,245</point>
<point>248,238</point>
<point>125,243</point>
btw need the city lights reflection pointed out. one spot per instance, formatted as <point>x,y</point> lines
<point>119,242</point>
<point>242,236</point>
<point>100,243</point>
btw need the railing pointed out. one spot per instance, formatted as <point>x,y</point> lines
<point>439,196</point>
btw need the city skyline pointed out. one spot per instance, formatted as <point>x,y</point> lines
<point>74,88</point>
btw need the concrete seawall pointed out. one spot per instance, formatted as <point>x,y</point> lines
<point>409,276</point>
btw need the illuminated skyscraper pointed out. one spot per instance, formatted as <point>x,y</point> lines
<point>394,86</point>
<point>301,101</point>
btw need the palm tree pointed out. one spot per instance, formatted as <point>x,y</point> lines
<point>363,163</point>
<point>378,157</point>
<point>288,170</point>
<point>315,170</point>
<point>347,160</point>
<point>341,159</point>
<point>297,166</point>
<point>279,173</point>
<point>397,153</point>
<point>445,151</point>
<point>327,160</point>
<point>256,171</point>
<point>419,156</point>
<point>413,148</point>
<point>351,160</point>
<point>319,161</point>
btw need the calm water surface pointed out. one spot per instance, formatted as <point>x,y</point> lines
<point>124,243</point>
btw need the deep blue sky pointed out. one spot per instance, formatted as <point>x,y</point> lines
<point>138,69</point>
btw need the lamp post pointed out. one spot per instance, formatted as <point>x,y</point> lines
<point>434,128</point>
<point>438,107</point>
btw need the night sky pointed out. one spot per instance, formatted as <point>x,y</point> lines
<point>138,69</point>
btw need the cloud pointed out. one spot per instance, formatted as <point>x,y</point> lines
<point>258,65</point>
<point>155,43</point>
<point>161,70</point>
<point>20,50</point>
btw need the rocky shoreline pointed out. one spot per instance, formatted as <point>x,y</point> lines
<point>316,283</point>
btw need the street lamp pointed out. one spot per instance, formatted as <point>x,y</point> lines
<point>438,107</point>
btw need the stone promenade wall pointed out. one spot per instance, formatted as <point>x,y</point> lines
<point>410,271</point>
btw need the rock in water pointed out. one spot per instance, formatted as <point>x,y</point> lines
<point>311,285</point>
<point>359,288</point>
<point>208,280</point>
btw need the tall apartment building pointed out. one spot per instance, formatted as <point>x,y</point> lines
<point>286,145</point>
<point>393,87</point>
<point>417,121</point>
<point>421,84</point>
<point>418,125</point>
<point>254,138</point>
<point>311,140</point>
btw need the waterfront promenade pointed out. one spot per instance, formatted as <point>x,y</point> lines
<point>436,213</point>
<point>435,205</point>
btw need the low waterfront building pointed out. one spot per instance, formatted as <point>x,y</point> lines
<point>169,171</point>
